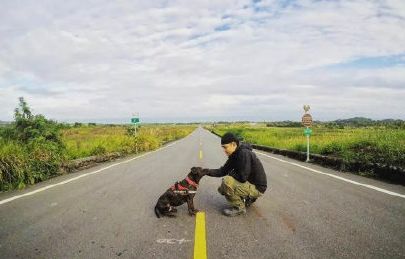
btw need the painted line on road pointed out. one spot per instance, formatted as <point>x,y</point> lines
<point>172,241</point>
<point>83,175</point>
<point>200,243</point>
<point>337,177</point>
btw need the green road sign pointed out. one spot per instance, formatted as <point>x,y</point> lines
<point>134,120</point>
<point>307,132</point>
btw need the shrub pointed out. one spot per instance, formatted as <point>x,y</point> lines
<point>98,150</point>
<point>333,149</point>
<point>13,166</point>
<point>32,149</point>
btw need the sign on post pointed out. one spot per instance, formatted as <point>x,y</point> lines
<point>134,120</point>
<point>307,122</point>
<point>307,132</point>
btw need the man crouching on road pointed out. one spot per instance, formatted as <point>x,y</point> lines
<point>245,179</point>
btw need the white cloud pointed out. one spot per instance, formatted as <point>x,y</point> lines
<point>199,59</point>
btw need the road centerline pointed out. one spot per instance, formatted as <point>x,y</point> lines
<point>200,243</point>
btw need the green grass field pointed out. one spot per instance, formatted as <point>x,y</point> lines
<point>95,140</point>
<point>39,159</point>
<point>371,144</point>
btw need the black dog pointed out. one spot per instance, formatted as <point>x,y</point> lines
<point>180,193</point>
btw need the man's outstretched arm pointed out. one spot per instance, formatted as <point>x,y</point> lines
<point>218,172</point>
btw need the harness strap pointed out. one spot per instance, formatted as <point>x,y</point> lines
<point>178,187</point>
<point>191,182</point>
<point>187,192</point>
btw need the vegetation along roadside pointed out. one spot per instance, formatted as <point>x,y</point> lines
<point>34,148</point>
<point>373,150</point>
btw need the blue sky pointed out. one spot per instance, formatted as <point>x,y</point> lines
<point>203,60</point>
<point>373,62</point>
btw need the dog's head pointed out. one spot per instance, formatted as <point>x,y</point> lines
<point>196,174</point>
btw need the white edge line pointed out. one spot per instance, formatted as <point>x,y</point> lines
<point>83,175</point>
<point>337,177</point>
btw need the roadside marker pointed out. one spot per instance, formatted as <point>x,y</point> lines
<point>200,243</point>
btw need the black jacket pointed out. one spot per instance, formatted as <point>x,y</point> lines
<point>243,165</point>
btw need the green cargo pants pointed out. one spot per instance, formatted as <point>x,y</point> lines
<point>234,191</point>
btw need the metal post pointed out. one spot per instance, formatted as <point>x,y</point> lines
<point>136,142</point>
<point>307,147</point>
<point>134,121</point>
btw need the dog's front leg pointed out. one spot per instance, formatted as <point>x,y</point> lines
<point>190,203</point>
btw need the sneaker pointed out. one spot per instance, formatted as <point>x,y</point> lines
<point>249,201</point>
<point>234,212</point>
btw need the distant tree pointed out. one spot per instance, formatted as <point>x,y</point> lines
<point>28,127</point>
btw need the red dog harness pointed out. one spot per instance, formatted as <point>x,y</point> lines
<point>179,187</point>
<point>191,182</point>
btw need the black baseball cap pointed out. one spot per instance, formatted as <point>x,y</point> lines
<point>228,138</point>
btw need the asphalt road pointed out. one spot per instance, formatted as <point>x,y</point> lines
<point>109,214</point>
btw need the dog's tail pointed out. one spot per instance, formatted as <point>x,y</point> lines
<point>157,212</point>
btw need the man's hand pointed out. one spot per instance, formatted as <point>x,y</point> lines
<point>213,172</point>
<point>206,171</point>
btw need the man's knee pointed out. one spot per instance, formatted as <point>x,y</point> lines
<point>221,190</point>
<point>228,181</point>
<point>226,187</point>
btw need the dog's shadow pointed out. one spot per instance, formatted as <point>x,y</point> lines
<point>211,202</point>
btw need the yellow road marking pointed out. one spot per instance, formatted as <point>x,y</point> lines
<point>200,243</point>
<point>201,155</point>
